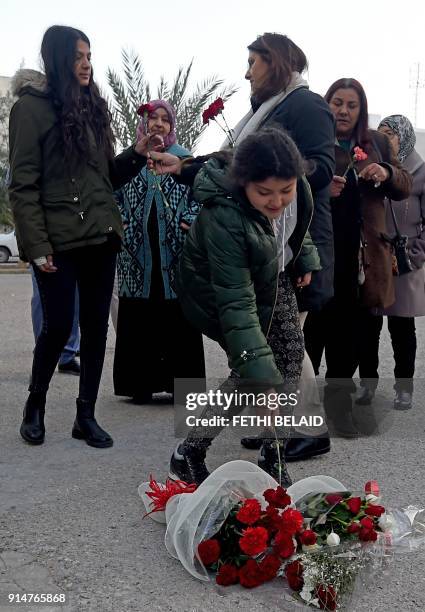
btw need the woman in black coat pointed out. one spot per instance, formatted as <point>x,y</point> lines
<point>280,96</point>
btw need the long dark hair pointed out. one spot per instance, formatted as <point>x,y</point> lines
<point>361,131</point>
<point>74,104</point>
<point>283,56</point>
<point>266,153</point>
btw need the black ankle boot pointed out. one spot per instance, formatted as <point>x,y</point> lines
<point>274,463</point>
<point>32,428</point>
<point>86,427</point>
<point>188,464</point>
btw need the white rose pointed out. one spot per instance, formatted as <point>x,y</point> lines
<point>385,522</point>
<point>372,499</point>
<point>333,539</point>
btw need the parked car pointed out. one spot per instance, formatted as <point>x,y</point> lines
<point>8,246</point>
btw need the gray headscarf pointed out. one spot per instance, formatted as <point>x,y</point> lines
<point>401,126</point>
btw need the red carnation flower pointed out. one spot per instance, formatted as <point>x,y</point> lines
<point>326,596</point>
<point>372,488</point>
<point>227,574</point>
<point>269,567</point>
<point>249,575</point>
<point>293,573</point>
<point>333,499</point>
<point>250,512</point>
<point>359,154</point>
<point>353,528</point>
<point>213,110</point>
<point>292,521</point>
<point>273,518</point>
<point>145,109</point>
<point>254,540</point>
<point>308,537</point>
<point>277,497</point>
<point>354,504</point>
<point>367,523</point>
<point>284,545</point>
<point>368,535</point>
<point>373,510</point>
<point>209,551</point>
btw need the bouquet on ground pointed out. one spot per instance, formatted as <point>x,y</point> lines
<point>212,112</point>
<point>239,528</point>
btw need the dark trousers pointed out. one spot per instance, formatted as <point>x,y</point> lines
<point>341,330</point>
<point>92,270</point>
<point>403,338</point>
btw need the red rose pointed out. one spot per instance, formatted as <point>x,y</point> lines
<point>354,504</point>
<point>296,583</point>
<point>292,521</point>
<point>254,540</point>
<point>326,596</point>
<point>373,510</point>
<point>145,109</point>
<point>333,499</point>
<point>249,575</point>
<point>293,573</point>
<point>353,528</point>
<point>284,545</point>
<point>308,537</point>
<point>295,567</point>
<point>277,497</point>
<point>372,488</point>
<point>209,551</point>
<point>367,523</point>
<point>269,567</point>
<point>368,535</point>
<point>250,512</point>
<point>227,574</point>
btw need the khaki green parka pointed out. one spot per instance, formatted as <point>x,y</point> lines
<point>58,205</point>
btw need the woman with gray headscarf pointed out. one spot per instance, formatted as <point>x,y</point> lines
<point>410,287</point>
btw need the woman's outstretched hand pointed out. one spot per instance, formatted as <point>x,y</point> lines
<point>164,163</point>
<point>148,143</point>
<point>375,172</point>
<point>304,281</point>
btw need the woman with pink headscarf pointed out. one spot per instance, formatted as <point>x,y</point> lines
<point>155,343</point>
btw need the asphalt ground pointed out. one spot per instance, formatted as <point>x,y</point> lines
<point>71,520</point>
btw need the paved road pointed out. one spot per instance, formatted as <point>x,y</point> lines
<point>70,518</point>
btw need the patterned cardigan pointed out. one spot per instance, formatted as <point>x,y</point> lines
<point>135,203</point>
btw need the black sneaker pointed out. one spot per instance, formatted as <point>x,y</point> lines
<point>268,460</point>
<point>70,367</point>
<point>252,442</point>
<point>190,469</point>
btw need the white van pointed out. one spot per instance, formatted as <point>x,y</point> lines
<point>8,247</point>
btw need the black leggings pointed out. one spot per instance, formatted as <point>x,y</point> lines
<point>403,338</point>
<point>92,269</point>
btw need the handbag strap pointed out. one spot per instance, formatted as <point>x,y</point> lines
<point>397,229</point>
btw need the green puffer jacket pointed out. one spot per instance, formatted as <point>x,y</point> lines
<point>57,207</point>
<point>227,281</point>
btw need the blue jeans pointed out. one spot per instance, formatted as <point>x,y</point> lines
<point>73,344</point>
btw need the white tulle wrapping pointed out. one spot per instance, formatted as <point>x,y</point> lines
<point>194,517</point>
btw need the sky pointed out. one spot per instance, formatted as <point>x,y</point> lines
<point>379,42</point>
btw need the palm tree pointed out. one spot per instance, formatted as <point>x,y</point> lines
<point>133,89</point>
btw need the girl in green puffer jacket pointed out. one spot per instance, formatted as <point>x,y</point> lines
<point>234,282</point>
